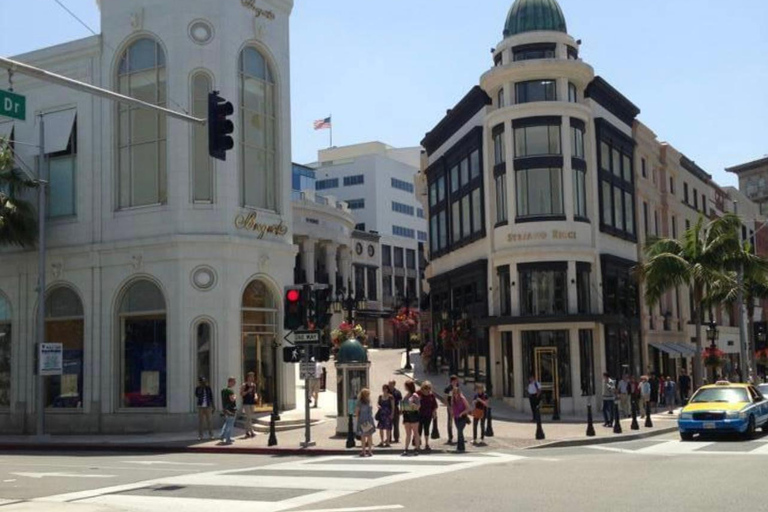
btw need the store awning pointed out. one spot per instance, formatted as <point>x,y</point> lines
<point>58,130</point>
<point>673,348</point>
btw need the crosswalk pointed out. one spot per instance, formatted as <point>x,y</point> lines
<point>676,447</point>
<point>275,487</point>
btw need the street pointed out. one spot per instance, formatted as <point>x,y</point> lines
<point>662,473</point>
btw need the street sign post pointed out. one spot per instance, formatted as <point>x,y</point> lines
<point>13,105</point>
<point>306,370</point>
<point>306,337</point>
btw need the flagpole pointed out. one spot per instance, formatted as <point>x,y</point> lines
<point>331,118</point>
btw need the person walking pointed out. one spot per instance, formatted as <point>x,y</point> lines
<point>480,404</point>
<point>228,410</point>
<point>670,390</point>
<point>608,392</point>
<point>410,407</point>
<point>398,396</point>
<point>453,382</point>
<point>384,416</point>
<point>625,390</point>
<point>427,412</point>
<point>684,385</point>
<point>248,396</point>
<point>634,395</point>
<point>534,395</point>
<point>645,395</point>
<point>655,388</point>
<point>314,383</point>
<point>205,407</point>
<point>460,411</point>
<point>365,424</point>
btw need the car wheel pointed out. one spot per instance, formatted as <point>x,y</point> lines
<point>686,436</point>
<point>750,433</point>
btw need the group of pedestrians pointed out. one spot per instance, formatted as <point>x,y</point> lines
<point>643,394</point>
<point>229,407</point>
<point>417,410</point>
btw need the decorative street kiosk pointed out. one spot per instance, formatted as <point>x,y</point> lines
<point>352,375</point>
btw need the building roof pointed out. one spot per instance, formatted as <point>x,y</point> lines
<point>749,166</point>
<point>534,15</point>
<point>475,100</point>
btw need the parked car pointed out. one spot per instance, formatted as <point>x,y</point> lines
<point>724,407</point>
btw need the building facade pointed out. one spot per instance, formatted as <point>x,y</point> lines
<point>163,264</point>
<point>753,181</point>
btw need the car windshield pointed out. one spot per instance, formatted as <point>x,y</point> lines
<point>723,395</point>
<point>763,389</point>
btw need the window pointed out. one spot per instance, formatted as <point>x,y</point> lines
<point>386,256</point>
<point>685,193</point>
<point>502,214</point>
<point>358,179</point>
<point>704,203</point>
<point>573,53</point>
<point>202,164</point>
<point>499,151</point>
<point>402,208</point>
<point>556,339</point>
<point>258,137</point>
<point>542,138</point>
<point>423,236</point>
<point>64,323</point>
<point>672,185</point>
<point>259,327</point>
<point>204,342</point>
<point>580,194</point>
<point>403,232</point>
<point>587,362</point>
<point>646,221</point>
<point>327,183</point>
<point>674,227</point>
<point>386,285</point>
<point>539,192</point>
<point>656,223</point>
<point>616,182</point>
<point>410,258</point>
<point>508,377</point>
<point>500,98</point>
<point>543,289</point>
<point>371,292</point>
<point>410,290</point>
<point>584,287</point>
<point>356,204</point>
<point>420,213</point>
<point>5,353</point>
<point>535,90</point>
<point>399,257</point>
<point>533,51</point>
<point>61,175</point>
<point>143,351</point>
<point>505,291</point>
<point>573,95</point>
<point>360,226</point>
<point>402,185</point>
<point>643,169</point>
<point>399,286</point>
<point>141,133</point>
<point>695,199</point>
<point>577,140</point>
<point>497,59</point>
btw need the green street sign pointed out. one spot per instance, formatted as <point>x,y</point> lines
<point>13,105</point>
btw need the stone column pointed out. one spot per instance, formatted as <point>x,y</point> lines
<point>345,259</point>
<point>330,262</point>
<point>308,258</point>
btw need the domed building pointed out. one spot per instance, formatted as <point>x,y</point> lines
<point>530,184</point>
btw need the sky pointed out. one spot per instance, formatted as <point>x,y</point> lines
<point>389,69</point>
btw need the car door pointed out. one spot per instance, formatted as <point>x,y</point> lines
<point>760,405</point>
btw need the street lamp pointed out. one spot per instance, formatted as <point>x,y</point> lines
<point>712,333</point>
<point>349,303</point>
<point>406,302</point>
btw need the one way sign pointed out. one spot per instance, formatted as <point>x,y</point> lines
<point>292,354</point>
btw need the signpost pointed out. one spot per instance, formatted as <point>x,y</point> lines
<point>306,338</point>
<point>13,105</point>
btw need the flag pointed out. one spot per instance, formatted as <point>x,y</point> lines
<point>323,124</point>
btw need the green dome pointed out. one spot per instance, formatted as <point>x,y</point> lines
<point>352,351</point>
<point>533,15</point>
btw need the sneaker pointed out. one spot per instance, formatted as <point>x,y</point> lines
<point>405,454</point>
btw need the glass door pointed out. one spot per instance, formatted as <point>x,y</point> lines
<point>546,374</point>
<point>258,358</point>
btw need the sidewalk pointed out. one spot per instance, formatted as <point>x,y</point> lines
<point>512,430</point>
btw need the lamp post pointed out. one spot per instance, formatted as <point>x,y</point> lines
<point>760,335</point>
<point>406,305</point>
<point>350,303</point>
<point>712,335</point>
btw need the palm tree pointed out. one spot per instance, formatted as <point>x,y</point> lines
<point>18,218</point>
<point>698,261</point>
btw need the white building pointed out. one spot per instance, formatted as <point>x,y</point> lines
<point>164,265</point>
<point>377,182</point>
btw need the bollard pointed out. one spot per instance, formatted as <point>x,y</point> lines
<point>556,410</point>
<point>272,432</point>
<point>648,422</point>
<point>350,433</point>
<point>489,425</point>
<point>616,419</point>
<point>634,425</point>
<point>590,426</point>
<point>324,380</point>
<point>539,430</point>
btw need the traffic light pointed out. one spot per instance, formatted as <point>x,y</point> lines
<point>295,308</point>
<point>321,353</point>
<point>292,354</point>
<point>219,127</point>
<point>322,307</point>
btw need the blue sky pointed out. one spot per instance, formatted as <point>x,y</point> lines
<point>388,69</point>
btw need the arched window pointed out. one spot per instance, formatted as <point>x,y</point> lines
<point>258,133</point>
<point>259,326</point>
<point>203,349</point>
<point>143,347</point>
<point>202,164</point>
<point>64,323</point>
<point>141,133</point>
<point>5,352</point>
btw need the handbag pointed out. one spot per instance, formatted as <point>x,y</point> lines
<point>478,414</point>
<point>377,417</point>
<point>367,427</point>
<point>435,432</point>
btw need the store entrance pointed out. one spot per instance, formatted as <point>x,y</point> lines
<point>258,358</point>
<point>545,360</point>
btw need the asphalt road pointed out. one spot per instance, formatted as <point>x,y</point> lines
<point>660,473</point>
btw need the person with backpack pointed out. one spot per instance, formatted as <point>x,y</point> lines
<point>228,410</point>
<point>534,394</point>
<point>410,408</point>
<point>480,402</point>
<point>609,398</point>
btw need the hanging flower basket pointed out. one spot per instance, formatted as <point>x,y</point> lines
<point>761,357</point>
<point>713,357</point>
<point>406,320</point>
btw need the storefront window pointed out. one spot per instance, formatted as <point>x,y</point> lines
<point>584,287</point>
<point>5,352</point>
<point>64,324</point>
<point>144,348</point>
<point>539,193</point>
<point>586,360</point>
<point>560,371</point>
<point>203,344</point>
<point>543,290</point>
<point>259,327</point>
<point>508,369</point>
<point>505,292</point>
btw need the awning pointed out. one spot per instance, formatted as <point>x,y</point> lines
<point>5,130</point>
<point>58,130</point>
<point>674,349</point>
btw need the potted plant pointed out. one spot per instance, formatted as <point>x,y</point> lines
<point>761,357</point>
<point>713,357</point>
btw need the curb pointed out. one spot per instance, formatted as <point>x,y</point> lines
<point>568,443</point>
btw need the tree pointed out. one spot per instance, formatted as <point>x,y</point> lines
<point>699,261</point>
<point>18,217</point>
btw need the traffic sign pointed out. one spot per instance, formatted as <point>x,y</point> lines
<point>292,354</point>
<point>307,370</point>
<point>13,105</point>
<point>306,337</point>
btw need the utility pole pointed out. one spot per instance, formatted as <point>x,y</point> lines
<point>746,366</point>
<point>41,183</point>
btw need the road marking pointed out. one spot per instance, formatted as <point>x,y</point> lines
<point>674,448</point>
<point>62,475</point>
<point>161,462</point>
<point>8,502</point>
<point>614,450</point>
<point>763,450</point>
<point>357,509</point>
<point>8,481</point>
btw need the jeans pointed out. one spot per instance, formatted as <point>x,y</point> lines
<point>204,420</point>
<point>227,428</point>
<point>481,422</point>
<point>396,426</point>
<point>608,411</point>
<point>534,401</point>
<point>460,424</point>
<point>248,420</point>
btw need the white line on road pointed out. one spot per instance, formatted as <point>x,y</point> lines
<point>62,475</point>
<point>674,448</point>
<point>9,481</point>
<point>165,462</point>
<point>357,509</point>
